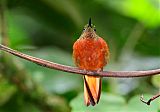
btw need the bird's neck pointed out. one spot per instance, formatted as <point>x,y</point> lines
<point>89,35</point>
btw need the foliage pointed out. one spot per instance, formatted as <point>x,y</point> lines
<point>48,29</point>
<point>114,103</point>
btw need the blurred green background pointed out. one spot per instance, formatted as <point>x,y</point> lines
<point>48,28</point>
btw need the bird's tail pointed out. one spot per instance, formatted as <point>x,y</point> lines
<point>92,90</point>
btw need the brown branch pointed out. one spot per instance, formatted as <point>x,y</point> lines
<point>150,100</point>
<point>52,65</point>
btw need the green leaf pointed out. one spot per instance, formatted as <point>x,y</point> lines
<point>138,9</point>
<point>135,105</point>
<point>108,103</point>
<point>156,81</point>
<point>16,33</point>
<point>6,91</point>
<point>15,106</point>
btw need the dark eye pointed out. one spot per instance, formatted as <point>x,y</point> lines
<point>94,29</point>
<point>83,29</point>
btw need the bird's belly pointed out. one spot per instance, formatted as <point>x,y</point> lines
<point>90,57</point>
<point>92,61</point>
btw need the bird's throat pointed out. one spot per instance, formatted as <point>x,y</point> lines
<point>89,35</point>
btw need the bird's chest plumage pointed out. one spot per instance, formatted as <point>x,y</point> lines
<point>89,53</point>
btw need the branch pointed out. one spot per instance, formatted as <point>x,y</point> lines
<point>52,65</point>
<point>150,100</point>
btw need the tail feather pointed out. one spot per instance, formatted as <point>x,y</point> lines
<point>92,90</point>
<point>100,88</point>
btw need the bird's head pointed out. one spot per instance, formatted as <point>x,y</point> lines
<point>89,30</point>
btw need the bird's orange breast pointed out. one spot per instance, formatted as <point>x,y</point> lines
<point>90,53</point>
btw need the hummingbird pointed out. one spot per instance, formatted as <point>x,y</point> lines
<point>91,52</point>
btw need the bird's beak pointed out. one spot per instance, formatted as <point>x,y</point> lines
<point>90,23</point>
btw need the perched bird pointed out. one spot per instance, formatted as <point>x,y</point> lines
<point>91,52</point>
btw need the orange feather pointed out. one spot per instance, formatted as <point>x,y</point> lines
<point>91,52</point>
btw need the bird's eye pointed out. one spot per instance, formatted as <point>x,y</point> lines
<point>94,29</point>
<point>83,29</point>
